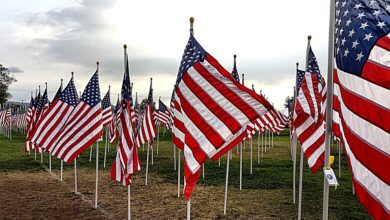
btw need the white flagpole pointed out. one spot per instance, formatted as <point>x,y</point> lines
<point>97,175</point>
<point>105,149</point>
<point>152,154</point>
<point>128,203</point>
<point>240,165</point>
<point>300,186</point>
<point>158,138</point>
<point>294,144</point>
<point>174,156</point>
<point>251,166</point>
<point>258,147</point>
<point>301,158</point>
<point>269,139</point>
<point>178,174</point>
<point>189,209</point>
<point>226,183</point>
<point>90,153</point>
<point>35,154</point>
<point>62,169</point>
<point>272,133</point>
<point>49,161</point>
<point>75,175</point>
<point>265,141</point>
<point>41,157</point>
<point>147,165</point>
<point>219,161</point>
<point>262,145</point>
<point>329,111</point>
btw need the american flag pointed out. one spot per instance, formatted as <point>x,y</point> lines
<point>28,145</point>
<point>107,111</point>
<point>84,125</point>
<point>213,121</point>
<point>147,130</point>
<point>113,134</point>
<point>126,161</point>
<point>309,113</point>
<point>361,99</point>
<point>49,127</point>
<point>29,120</point>
<point>163,114</point>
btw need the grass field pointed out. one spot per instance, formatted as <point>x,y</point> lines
<point>29,191</point>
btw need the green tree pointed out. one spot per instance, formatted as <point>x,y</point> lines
<point>5,81</point>
<point>288,102</point>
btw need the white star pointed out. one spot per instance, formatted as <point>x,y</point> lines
<point>337,12</point>
<point>343,4</point>
<point>387,7</point>
<point>341,31</point>
<point>346,52</point>
<point>376,13</point>
<point>381,24</point>
<point>359,56</point>
<point>361,15</point>
<point>364,25</point>
<point>351,32</point>
<point>368,36</point>
<point>358,6</point>
<point>354,44</point>
<point>346,12</point>
<point>372,2</point>
<point>343,41</point>
<point>348,22</point>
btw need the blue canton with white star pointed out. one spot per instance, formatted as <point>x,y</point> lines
<point>235,73</point>
<point>161,106</point>
<point>192,53</point>
<point>358,26</point>
<point>91,94</point>
<point>300,76</point>
<point>312,65</point>
<point>106,102</point>
<point>69,95</point>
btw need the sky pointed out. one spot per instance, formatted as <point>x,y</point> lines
<point>44,40</point>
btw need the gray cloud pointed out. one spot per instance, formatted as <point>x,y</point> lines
<point>14,69</point>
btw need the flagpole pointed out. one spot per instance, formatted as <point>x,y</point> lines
<point>49,161</point>
<point>226,183</point>
<point>258,147</point>
<point>328,112</point>
<point>301,157</point>
<point>158,130</point>
<point>203,171</point>
<point>189,209</point>
<point>75,175</point>
<point>240,165</point>
<point>294,145</point>
<point>178,174</point>
<point>251,166</point>
<point>147,165</point>
<point>174,156</point>
<point>97,174</point>
<point>152,153</point>
<point>90,154</point>
<point>62,169</point>
<point>105,149</point>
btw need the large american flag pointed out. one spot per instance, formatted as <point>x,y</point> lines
<point>309,113</point>
<point>49,127</point>
<point>361,99</point>
<point>107,111</point>
<point>29,120</point>
<point>147,130</point>
<point>84,125</point>
<point>213,108</point>
<point>163,114</point>
<point>28,145</point>
<point>126,161</point>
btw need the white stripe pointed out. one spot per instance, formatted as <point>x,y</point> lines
<point>375,186</point>
<point>310,86</point>
<point>40,132</point>
<point>191,162</point>
<point>370,133</point>
<point>315,155</point>
<point>380,56</point>
<point>204,112</point>
<point>246,97</point>
<point>214,94</point>
<point>363,88</point>
<point>302,128</point>
<point>313,138</point>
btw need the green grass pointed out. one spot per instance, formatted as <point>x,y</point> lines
<point>273,173</point>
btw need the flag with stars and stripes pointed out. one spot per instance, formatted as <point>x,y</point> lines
<point>126,161</point>
<point>113,134</point>
<point>49,127</point>
<point>163,114</point>
<point>309,113</point>
<point>34,116</point>
<point>83,126</point>
<point>147,130</point>
<point>361,98</point>
<point>213,108</point>
<point>106,109</point>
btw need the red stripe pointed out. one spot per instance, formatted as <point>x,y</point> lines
<point>364,108</point>
<point>376,73</point>
<point>231,96</point>
<point>211,105</point>
<point>374,207</point>
<point>83,147</point>
<point>384,42</point>
<point>213,136</point>
<point>367,155</point>
<point>306,93</point>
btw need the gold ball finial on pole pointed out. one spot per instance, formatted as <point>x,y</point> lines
<point>192,19</point>
<point>125,46</point>
<point>309,37</point>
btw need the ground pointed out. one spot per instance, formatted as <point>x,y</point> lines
<point>29,191</point>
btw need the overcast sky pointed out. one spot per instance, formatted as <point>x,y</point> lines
<point>44,40</point>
